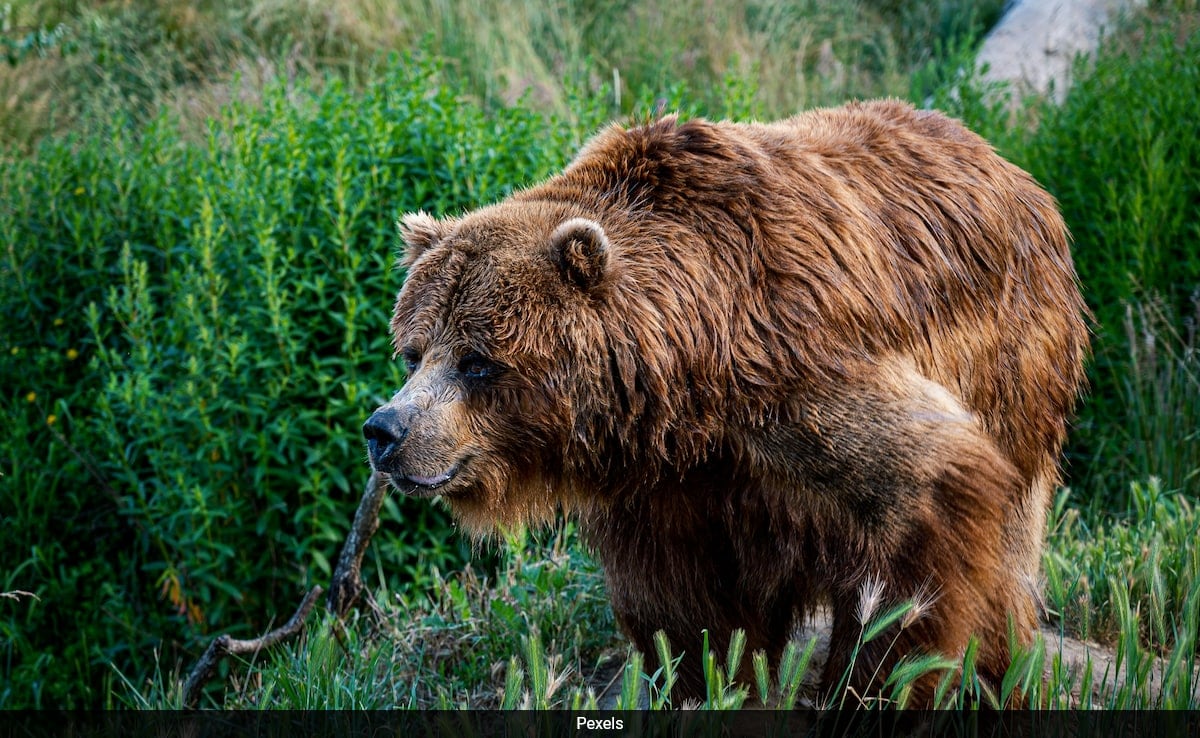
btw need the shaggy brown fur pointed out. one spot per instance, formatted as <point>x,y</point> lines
<point>765,365</point>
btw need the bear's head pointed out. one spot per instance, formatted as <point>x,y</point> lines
<point>500,326</point>
<point>574,342</point>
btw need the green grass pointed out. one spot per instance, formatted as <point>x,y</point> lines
<point>540,636</point>
<point>196,209</point>
<point>533,634</point>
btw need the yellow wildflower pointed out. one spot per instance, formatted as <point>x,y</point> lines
<point>51,419</point>
<point>72,354</point>
<point>31,397</point>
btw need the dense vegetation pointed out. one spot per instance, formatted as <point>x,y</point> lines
<point>196,274</point>
<point>194,335</point>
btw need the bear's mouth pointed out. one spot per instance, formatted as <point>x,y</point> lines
<point>423,486</point>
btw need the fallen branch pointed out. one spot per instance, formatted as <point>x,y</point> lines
<point>223,646</point>
<point>346,586</point>
<point>345,590</point>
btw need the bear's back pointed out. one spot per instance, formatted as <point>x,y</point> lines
<point>845,235</point>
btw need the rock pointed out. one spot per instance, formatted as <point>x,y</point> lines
<point>1035,44</point>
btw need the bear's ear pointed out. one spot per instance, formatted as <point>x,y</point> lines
<point>419,231</point>
<point>579,248</point>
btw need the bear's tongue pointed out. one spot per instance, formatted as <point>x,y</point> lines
<point>431,481</point>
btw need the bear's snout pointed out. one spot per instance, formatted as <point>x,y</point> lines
<point>385,430</point>
<point>416,448</point>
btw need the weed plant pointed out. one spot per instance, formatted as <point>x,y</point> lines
<point>193,336</point>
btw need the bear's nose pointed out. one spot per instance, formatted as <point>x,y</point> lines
<point>384,431</point>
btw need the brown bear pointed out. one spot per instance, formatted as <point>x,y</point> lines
<point>767,366</point>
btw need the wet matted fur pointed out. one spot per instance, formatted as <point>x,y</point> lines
<point>766,366</point>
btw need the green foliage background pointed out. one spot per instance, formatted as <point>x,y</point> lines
<point>1122,157</point>
<point>193,336</point>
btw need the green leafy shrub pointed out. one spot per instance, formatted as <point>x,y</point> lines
<point>1122,157</point>
<point>193,336</point>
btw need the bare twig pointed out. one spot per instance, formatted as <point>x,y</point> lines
<point>346,587</point>
<point>345,590</point>
<point>224,645</point>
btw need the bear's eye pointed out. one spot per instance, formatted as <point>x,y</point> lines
<point>477,366</point>
<point>412,359</point>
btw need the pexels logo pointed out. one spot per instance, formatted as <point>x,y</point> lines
<point>586,723</point>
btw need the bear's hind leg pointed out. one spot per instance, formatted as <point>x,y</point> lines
<point>912,496</point>
<point>946,560</point>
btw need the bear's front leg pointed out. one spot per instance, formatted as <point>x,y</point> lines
<point>674,563</point>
